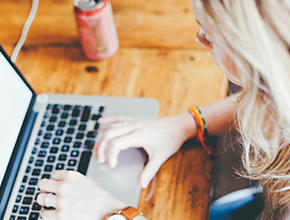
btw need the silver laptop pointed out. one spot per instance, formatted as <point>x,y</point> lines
<point>43,133</point>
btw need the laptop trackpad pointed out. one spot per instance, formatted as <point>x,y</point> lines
<point>123,180</point>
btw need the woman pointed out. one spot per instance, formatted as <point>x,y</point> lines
<point>250,41</point>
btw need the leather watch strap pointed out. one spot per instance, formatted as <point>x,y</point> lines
<point>130,212</point>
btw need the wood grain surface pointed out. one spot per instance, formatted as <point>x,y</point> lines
<point>158,58</point>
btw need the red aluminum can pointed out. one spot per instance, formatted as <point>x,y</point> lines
<point>97,29</point>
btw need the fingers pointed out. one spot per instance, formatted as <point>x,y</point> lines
<point>49,215</point>
<point>108,136</point>
<point>47,199</point>
<point>46,185</point>
<point>119,144</point>
<point>150,171</point>
<point>60,175</point>
<point>111,120</point>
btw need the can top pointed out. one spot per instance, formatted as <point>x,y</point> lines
<point>89,5</point>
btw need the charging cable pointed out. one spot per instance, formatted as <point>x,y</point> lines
<point>25,30</point>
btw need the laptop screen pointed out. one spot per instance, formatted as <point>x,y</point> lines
<point>15,98</point>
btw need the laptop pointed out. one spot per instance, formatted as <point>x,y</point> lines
<point>43,133</point>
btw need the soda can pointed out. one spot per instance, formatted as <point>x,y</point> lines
<point>97,29</point>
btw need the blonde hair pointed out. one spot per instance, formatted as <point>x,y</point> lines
<point>256,35</point>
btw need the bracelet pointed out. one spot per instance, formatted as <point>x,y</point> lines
<point>201,128</point>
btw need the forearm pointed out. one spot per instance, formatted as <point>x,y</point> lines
<point>221,115</point>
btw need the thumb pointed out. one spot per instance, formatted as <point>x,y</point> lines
<point>150,171</point>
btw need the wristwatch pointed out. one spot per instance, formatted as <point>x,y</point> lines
<point>127,213</point>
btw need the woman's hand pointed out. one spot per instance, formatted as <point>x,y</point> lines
<point>75,197</point>
<point>160,138</point>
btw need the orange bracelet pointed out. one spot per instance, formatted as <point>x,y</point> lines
<point>200,128</point>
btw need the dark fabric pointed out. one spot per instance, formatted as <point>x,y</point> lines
<point>245,209</point>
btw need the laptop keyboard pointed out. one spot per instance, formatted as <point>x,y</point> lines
<point>64,142</point>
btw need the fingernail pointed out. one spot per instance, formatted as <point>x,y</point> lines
<point>101,160</point>
<point>144,184</point>
<point>114,163</point>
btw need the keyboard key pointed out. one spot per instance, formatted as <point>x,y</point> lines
<point>24,180</point>
<point>44,145</point>
<point>67,107</point>
<point>30,191</point>
<point>53,119</point>
<point>46,115</point>
<point>21,218</point>
<point>36,172</point>
<point>24,210</point>
<point>48,107</point>
<point>33,216</point>
<point>97,126</point>
<point>77,144</point>
<point>72,162</point>
<point>31,159</point>
<point>74,153</point>
<point>92,134</point>
<point>80,136</point>
<point>67,139</point>
<point>64,115</point>
<point>48,168</point>
<point>40,132</point>
<point>76,111</point>
<point>73,122</point>
<point>86,113</point>
<point>56,141</point>
<point>34,150</point>
<point>62,157</point>
<point>33,181</point>
<point>101,109</point>
<point>96,117</point>
<point>82,127</point>
<point>27,200</point>
<point>38,163</point>
<point>43,124</point>
<point>28,168</point>
<point>51,159</point>
<point>70,131</point>
<point>56,108</point>
<point>84,162</point>
<point>36,207</point>
<point>15,208</point>
<point>21,190</point>
<point>89,144</point>
<point>45,176</point>
<point>37,141</point>
<point>50,127</point>
<point>18,198</point>
<point>59,166</point>
<point>47,136</point>
<point>42,153</point>
<point>65,148</point>
<point>61,124</point>
<point>12,217</point>
<point>59,132</point>
<point>53,150</point>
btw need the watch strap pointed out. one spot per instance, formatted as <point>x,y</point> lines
<point>130,212</point>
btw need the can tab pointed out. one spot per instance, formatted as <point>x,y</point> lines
<point>88,5</point>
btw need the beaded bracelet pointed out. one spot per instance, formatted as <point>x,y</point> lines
<point>201,127</point>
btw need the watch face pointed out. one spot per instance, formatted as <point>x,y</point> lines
<point>117,217</point>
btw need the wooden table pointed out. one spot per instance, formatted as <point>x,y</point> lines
<point>158,58</point>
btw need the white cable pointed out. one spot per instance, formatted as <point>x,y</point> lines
<point>25,30</point>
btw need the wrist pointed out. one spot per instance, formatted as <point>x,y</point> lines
<point>188,127</point>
